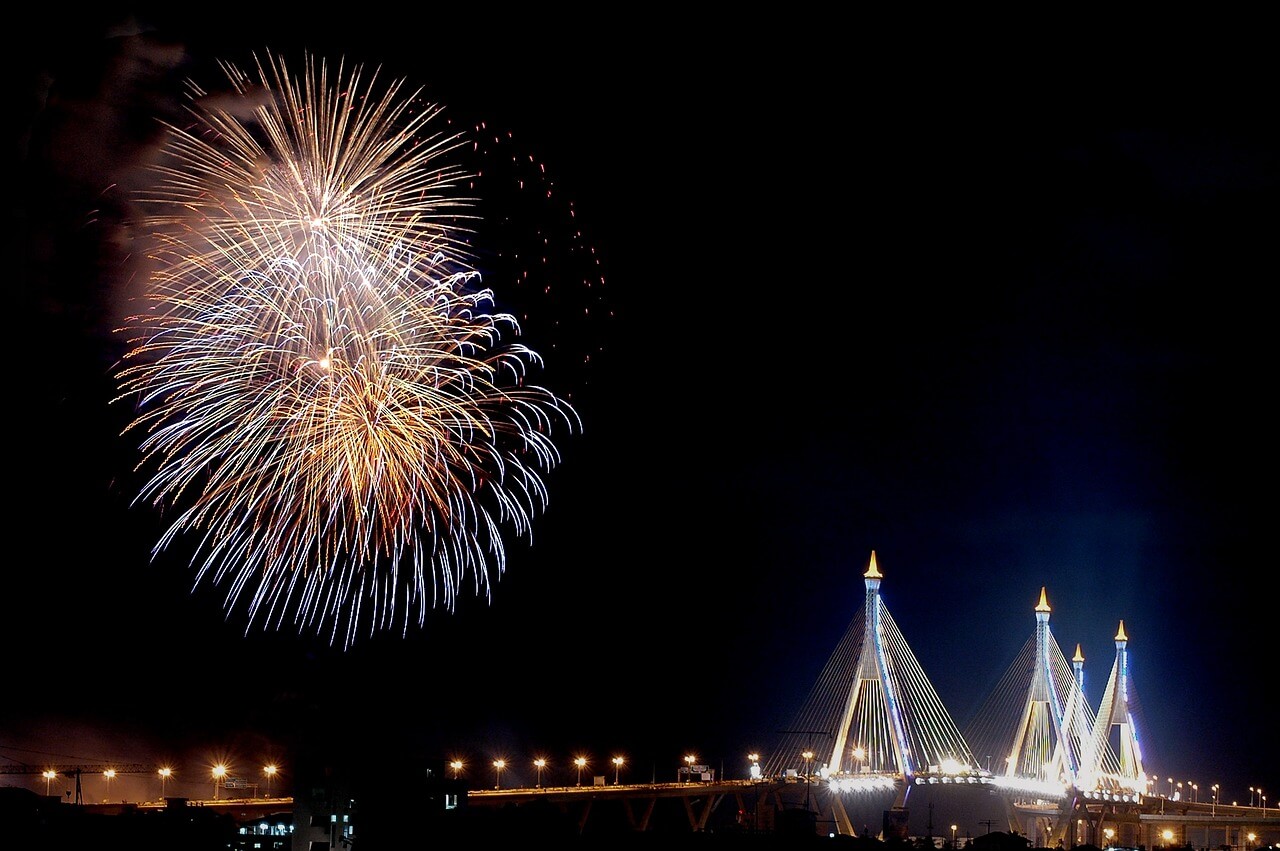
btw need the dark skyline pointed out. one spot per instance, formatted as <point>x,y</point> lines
<point>1007,330</point>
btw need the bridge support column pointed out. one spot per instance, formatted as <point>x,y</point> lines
<point>838,814</point>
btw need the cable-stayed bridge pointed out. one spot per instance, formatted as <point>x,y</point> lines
<point>874,721</point>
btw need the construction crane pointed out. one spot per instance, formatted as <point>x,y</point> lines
<point>66,770</point>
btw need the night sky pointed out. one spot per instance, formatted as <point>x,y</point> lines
<point>1003,319</point>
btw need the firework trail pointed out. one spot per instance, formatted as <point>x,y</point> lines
<point>328,403</point>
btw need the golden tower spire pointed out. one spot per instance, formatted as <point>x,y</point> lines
<point>873,572</point>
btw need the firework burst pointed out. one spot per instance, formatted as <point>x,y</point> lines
<point>329,404</point>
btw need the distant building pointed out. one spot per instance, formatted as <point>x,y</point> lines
<point>366,805</point>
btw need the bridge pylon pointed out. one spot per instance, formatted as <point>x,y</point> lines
<point>882,720</point>
<point>1054,725</point>
<point>1114,759</point>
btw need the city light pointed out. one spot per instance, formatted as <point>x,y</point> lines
<point>110,774</point>
<point>498,765</point>
<point>540,764</point>
<point>165,773</point>
<point>48,775</point>
<point>219,773</point>
<point>456,765</point>
<point>581,762</point>
<point>270,771</point>
<point>617,766</point>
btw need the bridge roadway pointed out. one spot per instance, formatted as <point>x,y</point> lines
<point>242,809</point>
<point>1155,823</point>
<point>699,800</point>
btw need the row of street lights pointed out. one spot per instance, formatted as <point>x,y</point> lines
<point>1256,796</point>
<point>219,774</point>
<point>580,763</point>
<point>165,773</point>
<point>540,765</point>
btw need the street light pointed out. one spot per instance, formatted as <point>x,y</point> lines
<point>498,765</point>
<point>689,760</point>
<point>219,772</point>
<point>110,774</point>
<point>165,773</point>
<point>270,771</point>
<point>48,774</point>
<point>540,764</point>
<point>1170,787</point>
<point>953,836</point>
<point>581,763</point>
<point>1214,810</point>
<point>1251,796</point>
<point>617,766</point>
<point>808,760</point>
<point>456,765</point>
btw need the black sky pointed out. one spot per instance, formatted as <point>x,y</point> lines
<point>1003,319</point>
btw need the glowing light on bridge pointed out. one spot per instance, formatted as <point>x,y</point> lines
<point>1039,788</point>
<point>850,783</point>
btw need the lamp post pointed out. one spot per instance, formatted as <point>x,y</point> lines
<point>165,773</point>
<point>581,763</point>
<point>689,760</point>
<point>456,765</point>
<point>219,772</point>
<point>1251,796</point>
<point>539,764</point>
<point>1214,810</point>
<point>498,765</point>
<point>754,759</point>
<point>1170,779</point>
<point>808,762</point>
<point>617,766</point>
<point>270,771</point>
<point>48,774</point>
<point>953,836</point>
<point>110,774</point>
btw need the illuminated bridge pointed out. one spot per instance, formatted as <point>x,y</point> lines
<point>873,721</point>
<point>872,731</point>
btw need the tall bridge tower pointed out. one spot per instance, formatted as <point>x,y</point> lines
<point>1054,723</point>
<point>1115,732</point>
<point>873,713</point>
